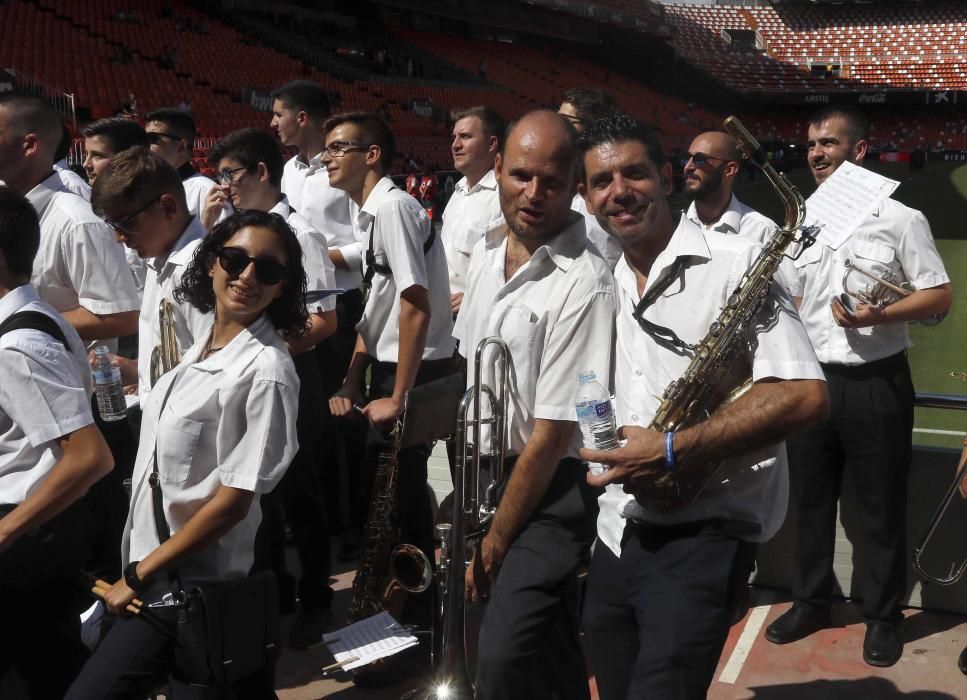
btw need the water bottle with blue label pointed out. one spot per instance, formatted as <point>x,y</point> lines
<point>107,386</point>
<point>596,417</point>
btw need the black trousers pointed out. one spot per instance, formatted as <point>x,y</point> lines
<point>299,499</point>
<point>344,442</point>
<point>39,587</point>
<point>136,657</point>
<point>656,619</point>
<point>867,436</point>
<point>528,645</point>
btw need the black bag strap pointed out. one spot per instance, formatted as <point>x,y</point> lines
<point>157,499</point>
<point>372,267</point>
<point>36,321</point>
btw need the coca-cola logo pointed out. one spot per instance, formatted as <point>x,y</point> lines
<point>877,98</point>
<point>816,99</point>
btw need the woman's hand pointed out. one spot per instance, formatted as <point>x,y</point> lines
<point>118,597</point>
<point>344,401</point>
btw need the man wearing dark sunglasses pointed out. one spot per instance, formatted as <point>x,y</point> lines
<point>140,196</point>
<point>171,133</point>
<point>250,165</point>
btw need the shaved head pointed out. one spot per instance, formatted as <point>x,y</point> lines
<point>718,157</point>
<point>27,114</point>
<point>716,143</point>
<point>546,128</point>
<point>30,133</point>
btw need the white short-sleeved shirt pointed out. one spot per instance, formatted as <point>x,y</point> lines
<point>757,492</point>
<point>556,315</point>
<point>197,188</point>
<point>72,181</point>
<point>470,213</point>
<point>328,210</point>
<point>229,420</point>
<point>164,274</point>
<point>605,244</point>
<point>320,272</point>
<point>45,393</point>
<point>894,239</point>
<point>79,262</point>
<point>399,227</point>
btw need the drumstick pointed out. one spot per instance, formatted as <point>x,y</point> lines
<point>142,613</point>
<point>101,592</point>
<point>106,586</point>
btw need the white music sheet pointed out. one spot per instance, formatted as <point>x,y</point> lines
<point>368,640</point>
<point>844,200</point>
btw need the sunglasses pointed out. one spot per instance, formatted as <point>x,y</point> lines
<point>124,225</point>
<point>235,260</point>
<point>701,159</point>
<point>227,177</point>
<point>155,137</point>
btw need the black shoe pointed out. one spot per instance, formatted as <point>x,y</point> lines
<point>962,661</point>
<point>881,646</point>
<point>308,626</point>
<point>796,623</point>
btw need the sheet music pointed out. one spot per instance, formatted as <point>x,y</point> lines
<point>844,200</point>
<point>368,640</point>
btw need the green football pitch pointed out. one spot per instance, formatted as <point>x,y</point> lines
<point>940,192</point>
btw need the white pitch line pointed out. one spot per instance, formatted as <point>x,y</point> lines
<point>935,431</point>
<point>742,647</point>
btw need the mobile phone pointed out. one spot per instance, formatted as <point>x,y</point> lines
<point>847,301</point>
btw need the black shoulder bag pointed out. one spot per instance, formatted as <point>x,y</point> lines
<point>227,630</point>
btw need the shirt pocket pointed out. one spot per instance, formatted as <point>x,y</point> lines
<point>466,238</point>
<point>524,333</point>
<point>177,441</point>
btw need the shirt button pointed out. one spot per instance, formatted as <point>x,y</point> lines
<point>637,372</point>
<point>634,416</point>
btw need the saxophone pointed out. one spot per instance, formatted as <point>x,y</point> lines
<point>709,382</point>
<point>387,569</point>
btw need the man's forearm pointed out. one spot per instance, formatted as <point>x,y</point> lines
<point>766,414</point>
<point>90,326</point>
<point>532,473</point>
<point>922,304</point>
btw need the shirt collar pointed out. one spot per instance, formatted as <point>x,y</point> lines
<point>16,299</point>
<point>687,240</point>
<point>41,195</point>
<point>239,353</point>
<point>487,182</point>
<point>315,163</point>
<point>376,197</point>
<point>562,249</point>
<point>282,208</point>
<point>729,219</point>
<point>178,255</point>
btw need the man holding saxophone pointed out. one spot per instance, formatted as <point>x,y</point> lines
<point>862,348</point>
<point>539,285</point>
<point>666,583</point>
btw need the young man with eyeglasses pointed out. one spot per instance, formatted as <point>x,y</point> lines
<point>171,133</point>
<point>140,195</point>
<point>250,165</point>
<point>582,107</point>
<point>299,111</point>
<point>405,336</point>
<point>665,585</point>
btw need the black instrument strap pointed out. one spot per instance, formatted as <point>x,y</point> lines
<point>372,267</point>
<point>157,498</point>
<point>662,335</point>
<point>36,321</point>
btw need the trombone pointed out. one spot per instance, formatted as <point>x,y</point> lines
<point>955,572</point>
<point>471,517</point>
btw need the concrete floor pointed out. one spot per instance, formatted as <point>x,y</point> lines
<point>826,666</point>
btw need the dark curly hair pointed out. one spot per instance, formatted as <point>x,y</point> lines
<point>288,312</point>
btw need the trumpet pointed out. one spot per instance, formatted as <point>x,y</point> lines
<point>882,291</point>
<point>452,677</point>
<point>165,355</point>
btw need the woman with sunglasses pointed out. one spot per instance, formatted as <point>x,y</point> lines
<point>222,427</point>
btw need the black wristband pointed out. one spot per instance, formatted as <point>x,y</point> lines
<point>131,577</point>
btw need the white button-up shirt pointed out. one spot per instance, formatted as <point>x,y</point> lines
<point>45,393</point>
<point>757,491</point>
<point>164,274</point>
<point>894,239</point>
<point>399,227</point>
<point>556,315</point>
<point>79,262</point>
<point>72,181</point>
<point>320,272</point>
<point>605,244</point>
<point>470,213</point>
<point>229,421</point>
<point>328,210</point>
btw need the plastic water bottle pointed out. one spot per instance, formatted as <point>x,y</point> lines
<point>596,417</point>
<point>107,386</point>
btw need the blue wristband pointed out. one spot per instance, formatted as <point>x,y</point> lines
<point>670,464</point>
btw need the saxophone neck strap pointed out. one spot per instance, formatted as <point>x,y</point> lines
<point>662,335</point>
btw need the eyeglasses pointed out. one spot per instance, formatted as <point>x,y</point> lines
<point>337,149</point>
<point>154,137</point>
<point>227,177</point>
<point>124,225</point>
<point>235,260</point>
<point>701,159</point>
<point>575,121</point>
